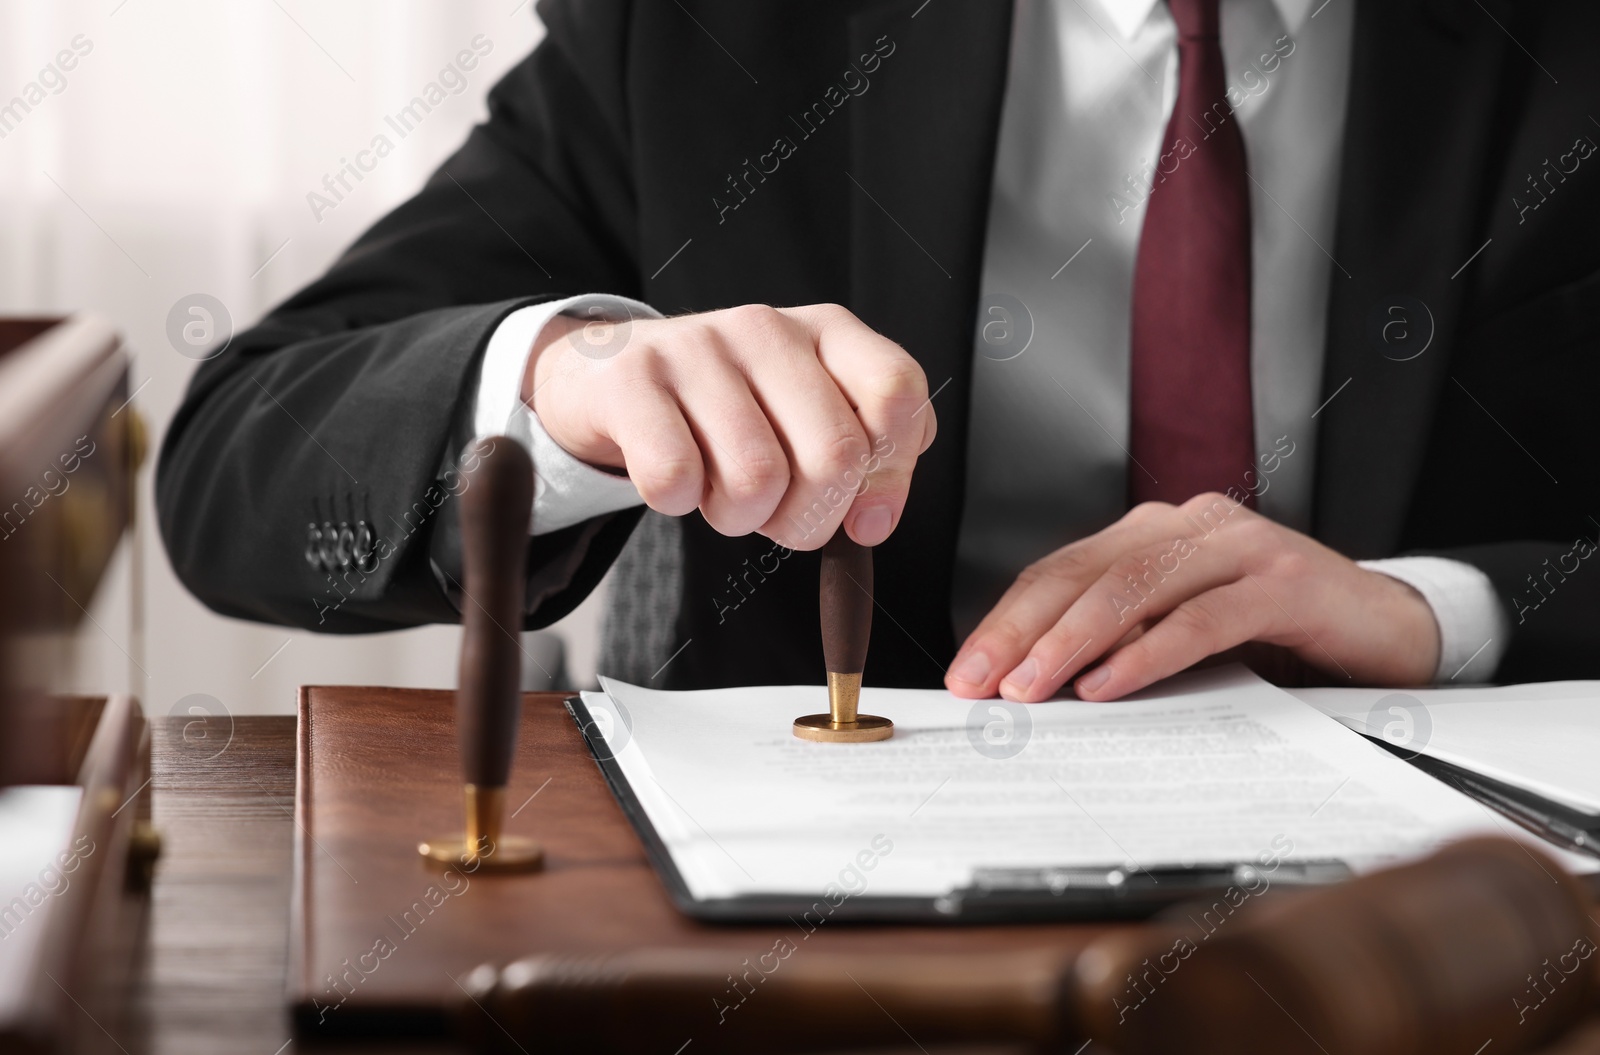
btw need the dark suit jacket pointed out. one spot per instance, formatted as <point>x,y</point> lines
<point>631,137</point>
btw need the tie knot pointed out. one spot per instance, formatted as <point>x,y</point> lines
<point>1196,19</point>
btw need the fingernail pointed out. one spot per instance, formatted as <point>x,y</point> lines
<point>972,668</point>
<point>872,525</point>
<point>1094,679</point>
<point>1020,680</point>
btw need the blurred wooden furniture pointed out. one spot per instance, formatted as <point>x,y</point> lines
<point>1430,957</point>
<point>75,844</point>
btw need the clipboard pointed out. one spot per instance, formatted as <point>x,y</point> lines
<point>995,895</point>
<point>1550,820</point>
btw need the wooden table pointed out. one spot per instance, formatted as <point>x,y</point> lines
<point>210,977</point>
<point>211,974</point>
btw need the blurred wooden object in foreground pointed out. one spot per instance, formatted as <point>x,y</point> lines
<point>1485,942</point>
<point>76,848</point>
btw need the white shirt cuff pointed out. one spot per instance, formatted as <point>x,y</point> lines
<point>566,491</point>
<point>1473,629</point>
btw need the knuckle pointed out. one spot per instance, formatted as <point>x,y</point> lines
<point>1145,512</point>
<point>1208,499</point>
<point>1211,502</point>
<point>1258,534</point>
<point>1054,648</point>
<point>901,381</point>
<point>644,374</point>
<point>1006,634</point>
<point>1128,566</point>
<point>704,335</point>
<point>758,324</point>
<point>1039,572</point>
<point>830,314</point>
<point>1065,565</point>
<point>756,477</point>
<point>1289,566</point>
<point>1198,619</point>
<point>838,448</point>
<point>662,479</point>
<point>640,380</point>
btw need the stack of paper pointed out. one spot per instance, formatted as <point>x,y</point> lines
<point>1216,766</point>
<point>1544,738</point>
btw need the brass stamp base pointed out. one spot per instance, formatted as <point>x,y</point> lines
<point>509,853</point>
<point>823,729</point>
<point>481,847</point>
<point>842,725</point>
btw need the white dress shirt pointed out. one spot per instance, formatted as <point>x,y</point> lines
<point>566,491</point>
<point>1091,86</point>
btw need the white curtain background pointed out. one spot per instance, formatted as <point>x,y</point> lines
<point>175,158</point>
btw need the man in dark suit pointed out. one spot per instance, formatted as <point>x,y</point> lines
<point>1334,302</point>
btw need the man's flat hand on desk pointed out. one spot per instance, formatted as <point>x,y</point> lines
<point>755,415</point>
<point>1167,586</point>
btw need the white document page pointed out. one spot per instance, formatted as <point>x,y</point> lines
<point>1542,737</point>
<point>1216,766</point>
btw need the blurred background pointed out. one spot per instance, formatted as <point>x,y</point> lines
<point>153,152</point>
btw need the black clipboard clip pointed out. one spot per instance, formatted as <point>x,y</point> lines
<point>1031,893</point>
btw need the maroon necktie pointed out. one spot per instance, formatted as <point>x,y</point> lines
<point>1191,425</point>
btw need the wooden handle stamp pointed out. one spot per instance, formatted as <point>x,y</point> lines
<point>846,601</point>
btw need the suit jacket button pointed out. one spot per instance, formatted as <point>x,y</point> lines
<point>313,546</point>
<point>344,545</point>
<point>325,551</point>
<point>365,552</point>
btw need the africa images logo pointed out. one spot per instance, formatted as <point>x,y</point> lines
<point>1402,722</point>
<point>999,728</point>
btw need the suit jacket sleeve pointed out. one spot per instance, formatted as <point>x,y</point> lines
<point>1552,623</point>
<point>348,403</point>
